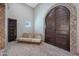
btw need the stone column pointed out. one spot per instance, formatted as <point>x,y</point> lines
<point>2,26</point>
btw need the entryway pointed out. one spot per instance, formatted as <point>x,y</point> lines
<point>72,28</point>
<point>58,27</point>
<point>12,29</point>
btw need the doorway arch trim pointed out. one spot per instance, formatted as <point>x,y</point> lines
<point>73,25</point>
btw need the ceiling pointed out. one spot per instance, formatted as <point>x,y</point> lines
<point>33,5</point>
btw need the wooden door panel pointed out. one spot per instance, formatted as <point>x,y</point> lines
<point>57,27</point>
<point>12,29</point>
<point>50,25</point>
<point>62,27</point>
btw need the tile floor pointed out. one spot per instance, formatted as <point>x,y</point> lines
<point>43,49</point>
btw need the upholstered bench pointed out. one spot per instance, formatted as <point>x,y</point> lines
<point>29,37</point>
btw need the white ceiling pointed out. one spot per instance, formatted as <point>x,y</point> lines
<point>33,5</point>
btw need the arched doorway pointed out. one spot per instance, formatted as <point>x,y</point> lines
<point>57,30</point>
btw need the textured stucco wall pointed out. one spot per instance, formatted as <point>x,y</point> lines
<point>2,26</point>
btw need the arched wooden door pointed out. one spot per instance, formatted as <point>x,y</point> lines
<point>57,30</point>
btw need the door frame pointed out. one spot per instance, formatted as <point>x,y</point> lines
<point>11,19</point>
<point>73,25</point>
<point>54,21</point>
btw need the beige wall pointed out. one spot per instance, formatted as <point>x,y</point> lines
<point>40,13</point>
<point>77,5</point>
<point>22,13</point>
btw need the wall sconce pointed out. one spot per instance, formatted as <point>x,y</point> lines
<point>27,24</point>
